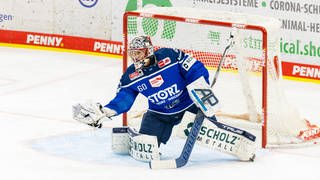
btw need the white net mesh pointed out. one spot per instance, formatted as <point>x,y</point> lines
<point>245,86</point>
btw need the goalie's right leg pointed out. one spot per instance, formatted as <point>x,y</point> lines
<point>152,124</point>
<point>161,125</point>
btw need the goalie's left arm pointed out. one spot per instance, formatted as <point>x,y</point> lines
<point>191,68</point>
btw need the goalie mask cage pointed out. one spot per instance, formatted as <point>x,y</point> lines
<point>248,83</point>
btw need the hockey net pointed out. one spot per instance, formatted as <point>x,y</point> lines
<point>248,86</point>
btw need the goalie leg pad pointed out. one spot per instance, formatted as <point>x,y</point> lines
<point>143,147</point>
<point>120,140</point>
<point>217,136</point>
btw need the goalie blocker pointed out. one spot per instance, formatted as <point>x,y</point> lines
<point>202,95</point>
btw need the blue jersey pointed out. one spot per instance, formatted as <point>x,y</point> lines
<point>164,83</point>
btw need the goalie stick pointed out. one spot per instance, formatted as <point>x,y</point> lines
<point>188,146</point>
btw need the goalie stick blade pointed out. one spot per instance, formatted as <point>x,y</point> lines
<point>164,164</point>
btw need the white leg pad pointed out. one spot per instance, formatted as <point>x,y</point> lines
<point>120,140</point>
<point>143,147</point>
<point>218,136</point>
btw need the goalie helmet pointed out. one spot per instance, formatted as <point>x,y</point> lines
<point>141,51</point>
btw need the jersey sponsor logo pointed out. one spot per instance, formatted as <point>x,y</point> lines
<point>156,81</point>
<point>166,94</point>
<point>188,62</point>
<point>214,138</point>
<point>164,62</point>
<point>135,75</point>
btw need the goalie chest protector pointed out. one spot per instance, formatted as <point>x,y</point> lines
<point>164,83</point>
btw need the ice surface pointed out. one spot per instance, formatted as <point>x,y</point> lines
<point>40,140</point>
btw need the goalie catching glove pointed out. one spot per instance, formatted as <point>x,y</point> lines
<point>91,114</point>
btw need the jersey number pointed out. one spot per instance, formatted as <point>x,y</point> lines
<point>142,87</point>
